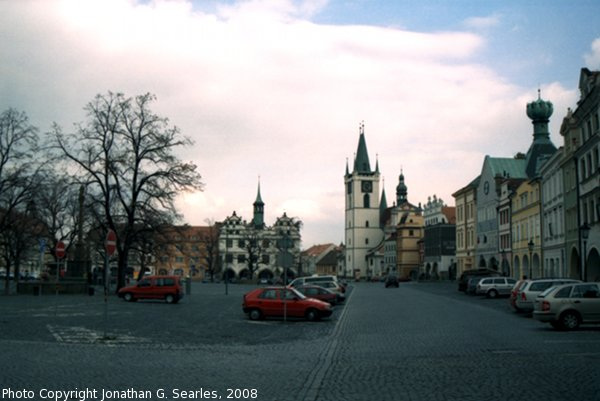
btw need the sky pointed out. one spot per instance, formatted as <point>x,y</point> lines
<point>276,90</point>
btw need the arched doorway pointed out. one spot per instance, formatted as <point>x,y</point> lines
<point>525,270</point>
<point>265,274</point>
<point>482,264</point>
<point>229,275</point>
<point>574,264</point>
<point>517,268</point>
<point>505,268</point>
<point>493,263</point>
<point>536,266</point>
<point>592,265</point>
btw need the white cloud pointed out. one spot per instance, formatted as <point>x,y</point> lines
<point>592,59</point>
<point>483,22</point>
<point>264,91</point>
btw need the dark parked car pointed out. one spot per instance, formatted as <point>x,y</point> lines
<point>154,287</point>
<point>271,301</point>
<point>463,281</point>
<point>391,281</point>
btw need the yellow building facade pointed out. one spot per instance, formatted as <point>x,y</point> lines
<point>466,225</point>
<point>526,230</point>
<point>410,231</point>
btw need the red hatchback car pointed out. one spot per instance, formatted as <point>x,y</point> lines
<point>270,301</point>
<point>154,287</point>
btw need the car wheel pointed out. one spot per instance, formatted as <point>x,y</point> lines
<point>569,320</point>
<point>128,297</point>
<point>492,294</point>
<point>170,298</point>
<point>255,314</point>
<point>556,325</point>
<point>312,315</point>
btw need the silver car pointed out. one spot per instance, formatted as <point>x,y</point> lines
<point>532,288</point>
<point>567,306</point>
<point>491,287</point>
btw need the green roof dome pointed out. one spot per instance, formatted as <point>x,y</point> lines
<point>539,110</point>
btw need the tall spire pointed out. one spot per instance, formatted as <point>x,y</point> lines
<point>259,209</point>
<point>382,206</point>
<point>361,161</point>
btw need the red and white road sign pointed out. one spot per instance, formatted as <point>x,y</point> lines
<point>60,250</point>
<point>110,245</point>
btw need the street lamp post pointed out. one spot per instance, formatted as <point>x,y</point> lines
<point>585,233</point>
<point>226,272</point>
<point>530,246</point>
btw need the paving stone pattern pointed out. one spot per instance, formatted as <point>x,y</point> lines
<point>422,341</point>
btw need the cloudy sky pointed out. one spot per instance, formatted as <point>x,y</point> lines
<point>278,88</point>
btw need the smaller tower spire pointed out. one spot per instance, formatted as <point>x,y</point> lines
<point>259,209</point>
<point>401,190</point>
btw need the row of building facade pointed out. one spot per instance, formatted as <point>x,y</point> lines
<point>537,214</point>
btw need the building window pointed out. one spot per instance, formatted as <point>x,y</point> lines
<point>367,223</point>
<point>366,241</point>
<point>366,201</point>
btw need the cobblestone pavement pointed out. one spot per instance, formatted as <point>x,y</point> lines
<point>422,341</point>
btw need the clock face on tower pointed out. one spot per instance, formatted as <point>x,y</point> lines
<point>367,186</point>
<point>486,187</point>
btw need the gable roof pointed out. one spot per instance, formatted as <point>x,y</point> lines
<point>508,167</point>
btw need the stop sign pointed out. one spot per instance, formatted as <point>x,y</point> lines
<point>60,250</point>
<point>111,242</point>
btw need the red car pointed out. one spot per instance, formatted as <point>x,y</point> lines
<point>154,287</point>
<point>317,292</point>
<point>270,301</point>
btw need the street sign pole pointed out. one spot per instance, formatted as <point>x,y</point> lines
<point>110,245</point>
<point>59,252</point>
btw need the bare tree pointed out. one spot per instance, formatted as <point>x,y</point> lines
<point>210,249</point>
<point>18,179</point>
<point>254,245</point>
<point>57,209</point>
<point>125,153</point>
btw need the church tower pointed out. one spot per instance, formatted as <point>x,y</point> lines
<point>362,214</point>
<point>259,211</point>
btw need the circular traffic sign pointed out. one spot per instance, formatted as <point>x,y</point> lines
<point>60,250</point>
<point>110,245</point>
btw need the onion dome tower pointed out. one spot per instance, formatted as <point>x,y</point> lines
<point>401,190</point>
<point>539,111</point>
